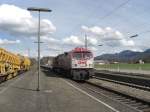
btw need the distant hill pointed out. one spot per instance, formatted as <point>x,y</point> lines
<point>126,56</point>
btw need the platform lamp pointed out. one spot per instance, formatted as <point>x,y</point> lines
<point>39,10</point>
<point>134,36</point>
<point>100,45</point>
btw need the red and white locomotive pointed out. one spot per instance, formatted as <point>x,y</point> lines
<point>77,64</point>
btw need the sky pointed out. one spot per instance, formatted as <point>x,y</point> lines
<point>105,22</point>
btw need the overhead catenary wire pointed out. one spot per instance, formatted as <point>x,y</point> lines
<point>115,9</point>
<point>137,26</point>
<point>136,35</point>
<point>105,16</point>
<point>125,20</point>
<point>147,31</point>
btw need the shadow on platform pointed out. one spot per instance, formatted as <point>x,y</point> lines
<point>22,88</point>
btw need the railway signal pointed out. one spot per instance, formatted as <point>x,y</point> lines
<point>39,10</point>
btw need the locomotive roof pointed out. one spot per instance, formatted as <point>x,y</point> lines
<point>78,49</point>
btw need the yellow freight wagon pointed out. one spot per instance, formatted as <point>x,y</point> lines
<point>11,64</point>
<point>25,63</point>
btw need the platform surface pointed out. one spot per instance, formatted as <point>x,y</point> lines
<point>56,95</point>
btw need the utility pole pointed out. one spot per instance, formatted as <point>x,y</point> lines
<point>28,52</point>
<point>118,61</point>
<point>39,10</point>
<point>86,41</point>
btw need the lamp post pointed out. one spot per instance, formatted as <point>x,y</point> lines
<point>118,57</point>
<point>134,36</point>
<point>38,10</point>
<point>100,45</point>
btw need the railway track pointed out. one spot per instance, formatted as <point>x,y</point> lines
<point>123,73</point>
<point>145,88</point>
<point>134,103</point>
<point>130,80</point>
<point>129,101</point>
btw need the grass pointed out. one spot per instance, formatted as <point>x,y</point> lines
<point>125,66</point>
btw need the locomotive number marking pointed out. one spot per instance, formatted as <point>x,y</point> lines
<point>82,62</point>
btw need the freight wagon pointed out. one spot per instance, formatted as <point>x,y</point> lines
<point>11,64</point>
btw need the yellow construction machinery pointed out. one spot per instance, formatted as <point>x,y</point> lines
<point>11,64</point>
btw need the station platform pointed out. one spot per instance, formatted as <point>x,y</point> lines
<point>56,95</point>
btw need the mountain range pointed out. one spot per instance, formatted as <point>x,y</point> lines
<point>126,56</point>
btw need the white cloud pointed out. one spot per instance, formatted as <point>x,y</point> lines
<point>92,41</point>
<point>108,36</point>
<point>79,41</point>
<point>73,40</point>
<point>93,48</point>
<point>6,42</point>
<point>95,30</point>
<point>49,40</point>
<point>128,43</point>
<point>18,21</point>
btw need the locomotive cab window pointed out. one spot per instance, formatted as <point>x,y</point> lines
<point>82,55</point>
<point>87,55</point>
<point>77,55</point>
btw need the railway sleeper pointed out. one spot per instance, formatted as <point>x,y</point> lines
<point>143,107</point>
<point>131,102</point>
<point>136,104</point>
<point>117,96</point>
<point>146,110</point>
<point>121,99</point>
<point>128,101</point>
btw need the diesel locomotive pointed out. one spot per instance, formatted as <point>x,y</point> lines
<point>76,64</point>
